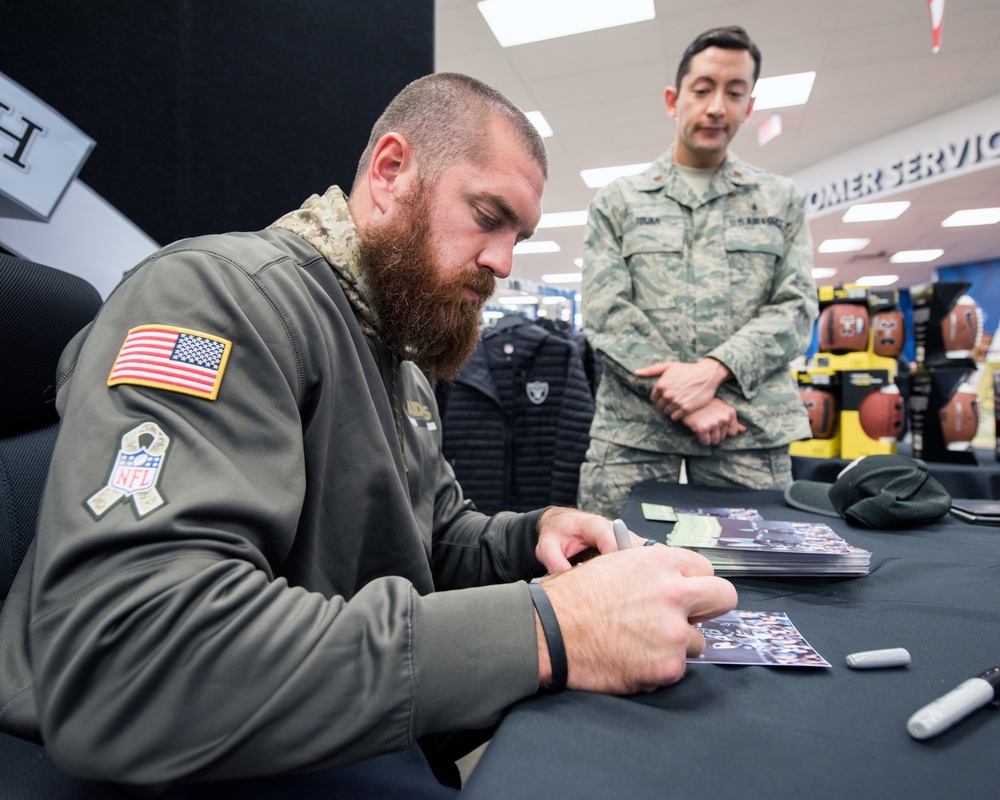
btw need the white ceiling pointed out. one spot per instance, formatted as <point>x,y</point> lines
<point>602,94</point>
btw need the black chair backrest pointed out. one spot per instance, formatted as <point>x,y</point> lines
<point>41,309</point>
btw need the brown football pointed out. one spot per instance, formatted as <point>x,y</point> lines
<point>822,407</point>
<point>843,328</point>
<point>882,413</point>
<point>960,416</point>
<point>888,333</point>
<point>961,327</point>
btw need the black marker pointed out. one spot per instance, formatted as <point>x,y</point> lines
<point>961,701</point>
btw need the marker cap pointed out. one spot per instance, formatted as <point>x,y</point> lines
<point>878,659</point>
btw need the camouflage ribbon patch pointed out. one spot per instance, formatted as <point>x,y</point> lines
<point>136,470</point>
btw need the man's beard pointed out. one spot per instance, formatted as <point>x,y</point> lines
<point>423,318</point>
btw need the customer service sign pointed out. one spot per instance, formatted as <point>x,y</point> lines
<point>962,141</point>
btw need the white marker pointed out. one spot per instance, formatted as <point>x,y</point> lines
<point>621,534</point>
<point>877,659</point>
<point>961,701</point>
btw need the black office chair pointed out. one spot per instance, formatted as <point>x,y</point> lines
<point>41,309</point>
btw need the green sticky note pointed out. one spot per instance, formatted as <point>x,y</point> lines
<point>655,511</point>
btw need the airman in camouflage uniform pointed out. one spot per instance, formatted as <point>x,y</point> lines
<point>719,281</point>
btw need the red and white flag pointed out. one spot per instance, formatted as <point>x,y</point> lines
<point>175,359</point>
<point>937,15</point>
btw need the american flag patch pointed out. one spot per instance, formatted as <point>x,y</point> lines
<point>175,359</point>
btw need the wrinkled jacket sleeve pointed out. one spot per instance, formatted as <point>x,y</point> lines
<point>472,549</point>
<point>782,328</point>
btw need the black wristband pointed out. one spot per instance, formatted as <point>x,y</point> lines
<point>553,637</point>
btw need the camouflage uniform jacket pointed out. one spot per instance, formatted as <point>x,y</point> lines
<point>669,277</point>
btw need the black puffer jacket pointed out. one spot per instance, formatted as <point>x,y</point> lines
<point>517,419</point>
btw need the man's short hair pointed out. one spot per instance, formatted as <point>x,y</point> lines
<point>445,119</point>
<point>730,37</point>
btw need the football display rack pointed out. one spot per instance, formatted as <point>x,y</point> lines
<point>855,406</point>
<point>861,334</point>
<point>944,405</point>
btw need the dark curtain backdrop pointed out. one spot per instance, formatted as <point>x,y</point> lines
<point>217,115</point>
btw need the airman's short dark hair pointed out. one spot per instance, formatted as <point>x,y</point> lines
<point>730,37</point>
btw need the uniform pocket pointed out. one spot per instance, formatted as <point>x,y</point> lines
<point>753,253</point>
<point>655,258</point>
<point>756,241</point>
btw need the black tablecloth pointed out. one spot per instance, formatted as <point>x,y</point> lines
<point>981,480</point>
<point>761,732</point>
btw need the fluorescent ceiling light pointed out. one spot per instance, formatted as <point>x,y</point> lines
<point>578,262</point>
<point>563,219</point>
<point>563,277</point>
<point>972,216</point>
<point>872,212</point>
<point>529,248</point>
<point>877,280</point>
<point>915,256</point>
<point>518,300</point>
<point>823,272</point>
<point>596,178</point>
<point>493,314</point>
<point>537,119</point>
<point>552,300</point>
<point>516,22</point>
<point>842,245</point>
<point>783,90</point>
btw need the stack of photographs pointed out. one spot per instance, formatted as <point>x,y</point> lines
<point>744,544</point>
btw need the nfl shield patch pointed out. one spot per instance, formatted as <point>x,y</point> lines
<point>135,472</point>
